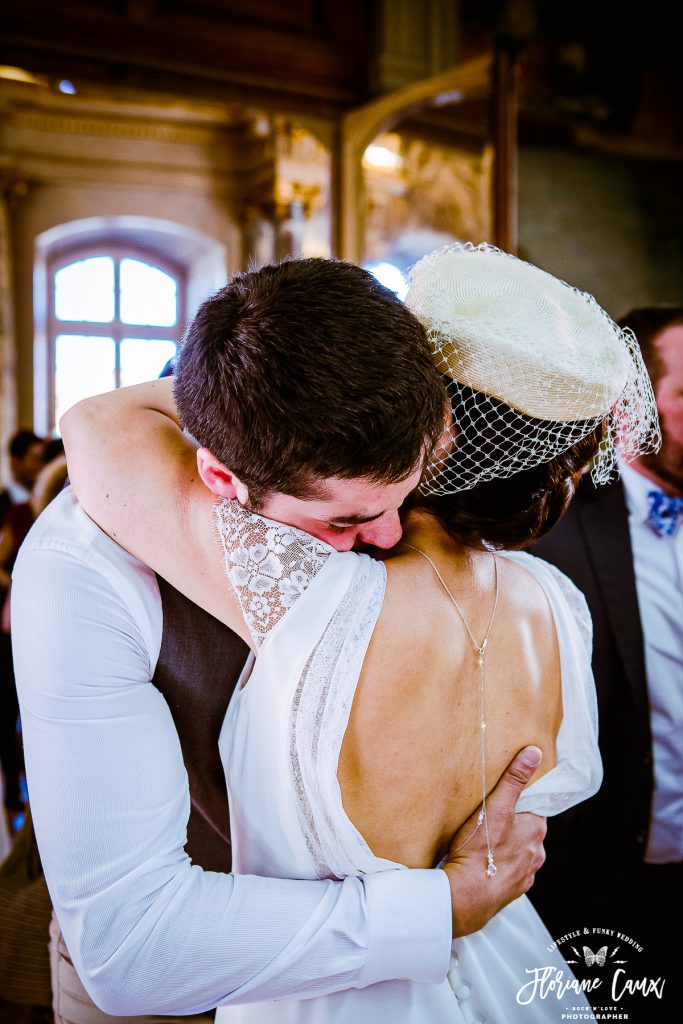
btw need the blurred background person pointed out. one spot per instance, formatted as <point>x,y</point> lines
<point>30,454</point>
<point>25,907</point>
<point>26,459</point>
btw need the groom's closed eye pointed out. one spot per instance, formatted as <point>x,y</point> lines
<point>353,521</point>
<point>340,527</point>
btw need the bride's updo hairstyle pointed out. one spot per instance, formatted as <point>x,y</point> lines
<point>513,511</point>
<point>542,385</point>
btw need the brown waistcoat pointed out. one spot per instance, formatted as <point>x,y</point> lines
<point>199,664</point>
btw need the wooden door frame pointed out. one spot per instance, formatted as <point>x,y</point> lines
<point>491,76</point>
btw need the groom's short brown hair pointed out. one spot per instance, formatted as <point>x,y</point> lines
<point>305,370</point>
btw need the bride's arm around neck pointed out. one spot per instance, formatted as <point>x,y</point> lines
<point>135,473</point>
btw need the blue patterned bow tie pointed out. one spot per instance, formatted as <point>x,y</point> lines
<point>665,513</point>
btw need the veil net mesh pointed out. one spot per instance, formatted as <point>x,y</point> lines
<point>531,366</point>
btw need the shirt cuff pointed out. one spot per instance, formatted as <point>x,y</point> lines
<point>411,926</point>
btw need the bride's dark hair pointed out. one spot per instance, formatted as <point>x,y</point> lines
<point>511,512</point>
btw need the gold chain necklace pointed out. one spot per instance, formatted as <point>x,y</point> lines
<point>480,651</point>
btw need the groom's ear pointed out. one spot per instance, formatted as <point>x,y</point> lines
<point>218,477</point>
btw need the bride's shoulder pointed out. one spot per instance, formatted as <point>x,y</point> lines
<point>271,565</point>
<point>562,593</point>
<point>237,525</point>
<point>548,575</point>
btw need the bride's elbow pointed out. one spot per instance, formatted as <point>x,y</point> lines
<point>82,416</point>
<point>84,431</point>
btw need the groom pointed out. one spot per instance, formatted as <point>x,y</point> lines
<point>124,684</point>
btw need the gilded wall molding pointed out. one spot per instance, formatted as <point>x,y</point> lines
<point>60,124</point>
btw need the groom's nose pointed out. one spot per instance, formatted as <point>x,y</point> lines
<point>383,532</point>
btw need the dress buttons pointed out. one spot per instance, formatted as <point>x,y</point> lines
<point>462,993</point>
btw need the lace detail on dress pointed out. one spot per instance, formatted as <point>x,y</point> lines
<point>318,720</point>
<point>269,564</point>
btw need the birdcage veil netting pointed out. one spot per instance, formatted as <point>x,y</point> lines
<point>531,366</point>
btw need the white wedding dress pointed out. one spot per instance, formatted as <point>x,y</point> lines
<point>312,611</point>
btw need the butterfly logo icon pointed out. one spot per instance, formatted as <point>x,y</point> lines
<point>595,958</point>
<point>599,958</point>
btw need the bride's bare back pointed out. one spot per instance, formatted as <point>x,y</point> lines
<point>415,719</point>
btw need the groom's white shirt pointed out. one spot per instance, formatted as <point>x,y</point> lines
<point>148,931</point>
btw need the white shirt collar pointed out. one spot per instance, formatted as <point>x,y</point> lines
<point>637,487</point>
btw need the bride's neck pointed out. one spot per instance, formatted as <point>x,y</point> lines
<point>423,530</point>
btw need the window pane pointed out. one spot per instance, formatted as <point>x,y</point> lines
<point>144,358</point>
<point>148,295</point>
<point>84,366</point>
<point>85,291</point>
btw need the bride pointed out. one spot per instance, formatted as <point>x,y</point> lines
<point>373,680</point>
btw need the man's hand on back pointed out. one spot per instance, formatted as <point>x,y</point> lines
<point>517,844</point>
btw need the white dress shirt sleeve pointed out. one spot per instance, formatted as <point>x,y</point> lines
<point>148,931</point>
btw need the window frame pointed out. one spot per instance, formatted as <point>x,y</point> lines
<point>115,329</point>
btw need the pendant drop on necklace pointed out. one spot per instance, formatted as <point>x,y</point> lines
<point>491,869</point>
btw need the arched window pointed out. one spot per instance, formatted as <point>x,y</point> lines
<point>114,318</point>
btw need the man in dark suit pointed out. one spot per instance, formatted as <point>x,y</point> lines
<point>615,861</point>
